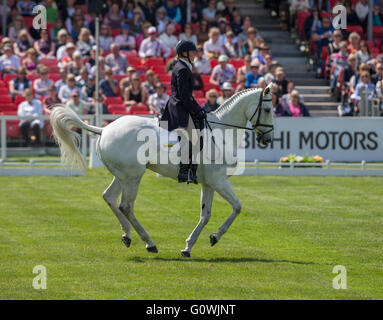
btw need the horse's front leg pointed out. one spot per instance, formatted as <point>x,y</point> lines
<point>207,195</point>
<point>225,190</point>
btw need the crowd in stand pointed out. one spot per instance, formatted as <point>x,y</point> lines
<point>344,55</point>
<point>137,40</point>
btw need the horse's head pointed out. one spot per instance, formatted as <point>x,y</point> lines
<point>262,117</point>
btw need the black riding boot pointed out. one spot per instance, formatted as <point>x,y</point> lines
<point>193,169</point>
<point>183,175</point>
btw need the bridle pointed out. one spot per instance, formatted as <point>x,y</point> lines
<point>257,123</point>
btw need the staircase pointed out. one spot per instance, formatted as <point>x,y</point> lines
<point>286,52</point>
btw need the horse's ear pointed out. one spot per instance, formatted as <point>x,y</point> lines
<point>268,89</point>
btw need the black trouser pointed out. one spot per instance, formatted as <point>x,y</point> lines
<point>24,128</point>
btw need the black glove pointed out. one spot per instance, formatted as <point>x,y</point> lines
<point>201,114</point>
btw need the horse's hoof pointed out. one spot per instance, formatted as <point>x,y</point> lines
<point>185,253</point>
<point>213,239</point>
<point>152,249</point>
<point>127,241</point>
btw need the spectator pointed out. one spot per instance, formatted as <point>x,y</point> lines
<point>201,64</point>
<point>116,60</point>
<point>253,76</point>
<point>296,108</point>
<point>135,94</point>
<point>195,12</point>
<point>243,35</point>
<point>323,35</point>
<point>295,7</point>
<point>106,39</point>
<point>149,10</point>
<point>212,48</point>
<point>18,85</point>
<point>377,17</point>
<point>9,62</point>
<point>236,23</point>
<point>168,38</point>
<point>249,45</point>
<point>62,37</point>
<point>223,72</point>
<point>355,79</point>
<point>109,86</point>
<point>188,34</point>
<point>352,18</point>
<point>227,92</point>
<point>114,17</point>
<point>279,110</point>
<point>150,83</point>
<point>30,107</point>
<point>66,90</point>
<point>241,84</point>
<point>271,76</point>
<point>339,63</point>
<point>285,100</point>
<point>76,104</point>
<point>281,80</point>
<point>351,69</point>
<point>260,53</point>
<point>334,46</point>
<point>361,10</point>
<point>30,62</point>
<point>15,28</point>
<point>69,52</point>
<point>92,108</point>
<point>78,25</point>
<point>211,103</point>
<point>23,44</point>
<point>222,23</point>
<point>231,49</point>
<point>157,101</point>
<point>59,25</point>
<point>378,76</point>
<point>101,68</point>
<point>63,76</point>
<point>152,47</point>
<point>126,41</point>
<point>83,78</point>
<point>209,13</point>
<point>52,11</point>
<point>354,42</point>
<point>173,13</point>
<point>45,47</point>
<point>229,11</point>
<point>42,84</point>
<point>312,23</point>
<point>25,7</point>
<point>366,84</point>
<point>50,100</point>
<point>161,21</point>
<point>85,42</point>
<point>364,54</point>
<point>76,64</point>
<point>89,88</point>
<point>242,71</point>
<point>203,32</point>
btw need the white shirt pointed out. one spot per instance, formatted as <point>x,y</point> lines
<point>202,65</point>
<point>361,10</point>
<point>12,61</point>
<point>169,41</point>
<point>61,53</point>
<point>157,102</point>
<point>222,75</point>
<point>209,46</point>
<point>153,49</point>
<point>31,109</point>
<point>193,38</point>
<point>125,41</point>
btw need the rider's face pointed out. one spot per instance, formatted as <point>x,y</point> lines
<point>192,55</point>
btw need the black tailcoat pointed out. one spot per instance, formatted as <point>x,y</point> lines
<point>181,102</point>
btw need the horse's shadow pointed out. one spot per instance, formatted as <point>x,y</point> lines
<point>219,259</point>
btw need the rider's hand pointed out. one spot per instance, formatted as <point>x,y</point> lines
<point>201,114</point>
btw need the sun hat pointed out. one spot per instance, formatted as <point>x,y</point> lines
<point>152,30</point>
<point>223,58</point>
<point>227,86</point>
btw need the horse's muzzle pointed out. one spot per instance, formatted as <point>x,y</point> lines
<point>265,138</point>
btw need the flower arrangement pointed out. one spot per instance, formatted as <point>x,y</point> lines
<point>299,159</point>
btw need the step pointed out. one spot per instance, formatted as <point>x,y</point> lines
<point>301,75</point>
<point>322,105</point>
<point>318,97</point>
<point>312,89</point>
<point>324,113</point>
<point>308,81</point>
<point>288,61</point>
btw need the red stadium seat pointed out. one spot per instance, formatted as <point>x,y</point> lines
<point>8,107</point>
<point>205,78</point>
<point>19,99</point>
<point>116,32</point>
<point>117,109</point>
<point>301,18</point>
<point>201,101</point>
<point>159,69</point>
<point>28,21</point>
<point>53,69</point>
<point>119,77</point>
<point>4,91</point>
<point>134,61</point>
<point>3,84</point>
<point>213,63</point>
<point>130,53</point>
<point>154,61</point>
<point>5,100</point>
<point>237,63</point>
<point>208,86</point>
<point>198,94</point>
<point>54,76</point>
<point>165,77</point>
<point>49,61</point>
<point>33,77</point>
<point>9,77</point>
<point>357,29</point>
<point>13,130</point>
<point>112,100</point>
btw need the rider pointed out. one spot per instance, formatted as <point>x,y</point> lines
<point>182,111</point>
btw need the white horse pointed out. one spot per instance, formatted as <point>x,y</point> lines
<point>117,148</point>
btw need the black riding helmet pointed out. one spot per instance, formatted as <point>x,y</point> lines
<point>185,46</point>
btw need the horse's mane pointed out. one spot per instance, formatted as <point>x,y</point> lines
<point>234,100</point>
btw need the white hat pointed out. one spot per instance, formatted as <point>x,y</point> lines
<point>227,86</point>
<point>152,30</point>
<point>223,58</point>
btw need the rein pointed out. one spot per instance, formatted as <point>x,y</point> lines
<point>257,123</point>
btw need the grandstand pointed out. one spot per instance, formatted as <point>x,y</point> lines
<point>286,43</point>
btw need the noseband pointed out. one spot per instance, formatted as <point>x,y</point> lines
<point>257,123</point>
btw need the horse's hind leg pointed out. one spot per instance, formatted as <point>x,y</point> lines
<point>111,195</point>
<point>129,194</point>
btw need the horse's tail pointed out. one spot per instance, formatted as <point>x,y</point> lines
<point>68,140</point>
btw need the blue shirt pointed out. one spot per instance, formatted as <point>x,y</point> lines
<point>107,90</point>
<point>250,79</point>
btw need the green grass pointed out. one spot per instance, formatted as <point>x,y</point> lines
<point>284,245</point>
